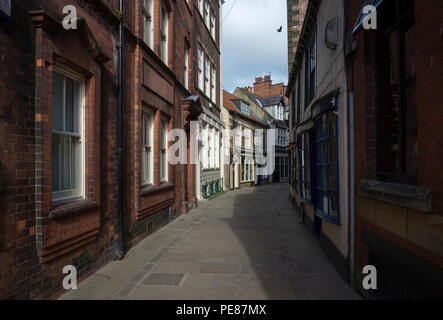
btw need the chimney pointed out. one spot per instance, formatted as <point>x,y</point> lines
<point>268,78</point>
<point>259,79</point>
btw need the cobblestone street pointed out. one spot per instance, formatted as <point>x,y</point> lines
<point>244,244</point>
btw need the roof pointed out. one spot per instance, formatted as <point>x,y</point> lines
<point>256,99</point>
<point>227,102</point>
<point>272,101</point>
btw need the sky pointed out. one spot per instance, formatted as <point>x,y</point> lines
<point>251,45</point>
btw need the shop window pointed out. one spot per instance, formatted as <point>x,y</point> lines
<point>326,166</point>
<point>304,167</point>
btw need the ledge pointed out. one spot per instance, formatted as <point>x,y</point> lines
<point>147,190</point>
<point>73,208</point>
<point>412,197</point>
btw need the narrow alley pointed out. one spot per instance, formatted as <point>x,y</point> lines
<point>244,244</point>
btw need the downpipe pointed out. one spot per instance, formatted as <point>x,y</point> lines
<point>120,245</point>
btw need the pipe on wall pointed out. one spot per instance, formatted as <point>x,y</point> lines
<point>120,245</point>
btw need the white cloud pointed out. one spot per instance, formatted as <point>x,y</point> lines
<point>251,45</point>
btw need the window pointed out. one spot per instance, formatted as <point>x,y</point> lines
<point>205,147</point>
<point>200,6</point>
<point>207,67</point>
<point>213,84</point>
<point>248,138</point>
<point>147,147</point>
<point>186,71</point>
<point>310,69</point>
<point>217,149</point>
<point>211,147</point>
<point>148,32</point>
<point>164,151</point>
<point>326,167</point>
<point>397,122</point>
<point>200,69</point>
<point>247,168</point>
<point>304,167</point>
<point>67,137</point>
<point>213,25</point>
<point>244,108</point>
<point>164,20</point>
<point>284,169</point>
<point>207,10</point>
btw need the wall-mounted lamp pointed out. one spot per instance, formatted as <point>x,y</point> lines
<point>331,34</point>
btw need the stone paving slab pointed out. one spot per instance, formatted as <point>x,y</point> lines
<point>245,244</point>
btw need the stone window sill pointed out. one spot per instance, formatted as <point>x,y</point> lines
<point>412,197</point>
<point>73,208</point>
<point>147,190</point>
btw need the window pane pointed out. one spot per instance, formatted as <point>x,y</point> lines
<point>70,98</point>
<point>57,101</point>
<point>55,163</point>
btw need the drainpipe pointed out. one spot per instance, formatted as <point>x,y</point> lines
<point>351,154</point>
<point>121,247</point>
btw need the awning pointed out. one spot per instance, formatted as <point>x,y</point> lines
<point>362,16</point>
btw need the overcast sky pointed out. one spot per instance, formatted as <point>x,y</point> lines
<point>251,45</point>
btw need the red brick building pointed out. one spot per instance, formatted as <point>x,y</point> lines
<point>394,80</point>
<point>59,133</point>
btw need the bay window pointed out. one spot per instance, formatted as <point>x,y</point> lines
<point>67,136</point>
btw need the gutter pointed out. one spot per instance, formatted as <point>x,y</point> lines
<point>120,245</point>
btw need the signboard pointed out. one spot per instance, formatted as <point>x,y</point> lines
<point>5,9</point>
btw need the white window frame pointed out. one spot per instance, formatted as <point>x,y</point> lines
<point>207,76</point>
<point>148,25</point>
<point>212,25</point>
<point>80,162</point>
<point>217,149</point>
<point>186,71</point>
<point>164,144</point>
<point>200,69</point>
<point>213,83</point>
<point>148,147</point>
<point>207,14</point>
<point>164,33</point>
<point>200,6</point>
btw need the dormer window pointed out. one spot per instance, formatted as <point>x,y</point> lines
<point>245,109</point>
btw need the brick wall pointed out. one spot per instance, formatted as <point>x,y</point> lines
<point>37,239</point>
<point>417,232</point>
<point>296,16</point>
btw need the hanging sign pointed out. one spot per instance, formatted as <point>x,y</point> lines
<point>5,9</point>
